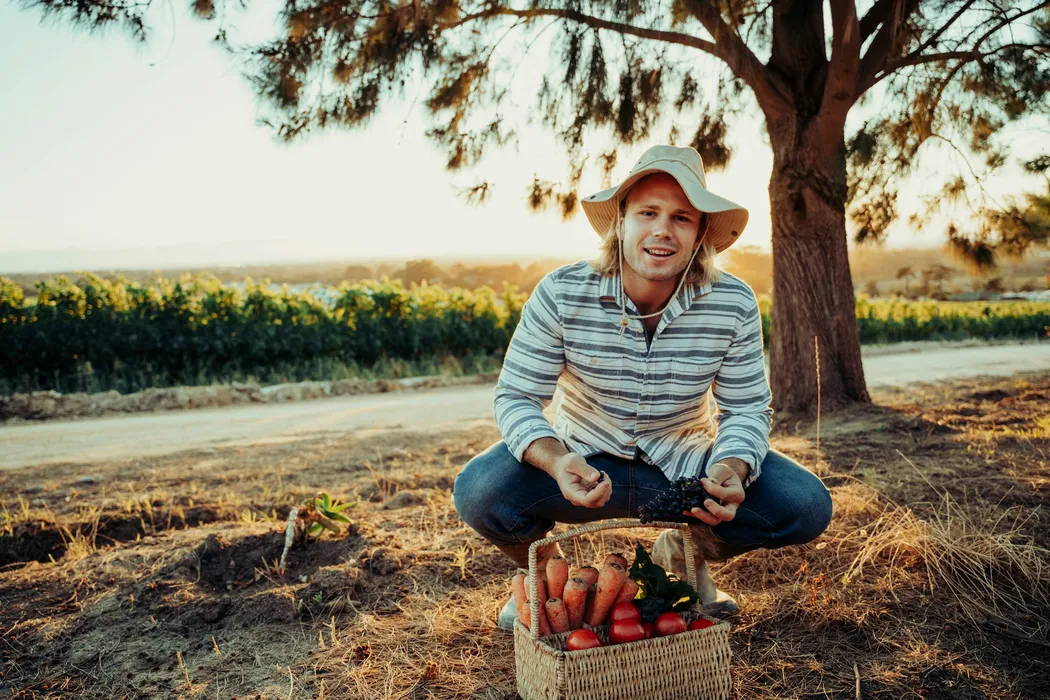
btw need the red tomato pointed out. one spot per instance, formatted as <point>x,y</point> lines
<point>625,611</point>
<point>670,623</point>
<point>700,624</point>
<point>626,631</point>
<point>582,639</point>
<point>648,627</point>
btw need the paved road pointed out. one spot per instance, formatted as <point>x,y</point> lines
<point>125,436</point>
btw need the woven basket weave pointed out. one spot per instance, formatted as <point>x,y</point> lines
<point>693,665</point>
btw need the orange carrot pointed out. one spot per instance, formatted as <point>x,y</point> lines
<point>588,607</point>
<point>628,592</point>
<point>545,626</point>
<point>556,614</point>
<point>622,561</point>
<point>541,587</point>
<point>610,581</point>
<point>541,595</point>
<point>588,574</point>
<point>575,599</point>
<point>517,589</point>
<point>521,597</point>
<point>557,575</point>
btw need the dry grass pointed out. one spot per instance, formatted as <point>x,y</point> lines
<point>931,581</point>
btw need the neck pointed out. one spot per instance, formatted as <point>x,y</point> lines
<point>649,296</point>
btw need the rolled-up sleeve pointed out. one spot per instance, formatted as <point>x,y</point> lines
<point>743,397</point>
<point>534,361</point>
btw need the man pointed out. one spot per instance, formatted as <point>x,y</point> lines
<point>635,340</point>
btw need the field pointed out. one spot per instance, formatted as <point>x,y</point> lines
<point>932,582</point>
<point>96,334</point>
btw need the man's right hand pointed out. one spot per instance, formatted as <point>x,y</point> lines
<point>580,483</point>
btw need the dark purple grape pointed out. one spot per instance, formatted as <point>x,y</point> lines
<point>685,493</point>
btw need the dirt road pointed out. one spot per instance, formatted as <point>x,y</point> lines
<point>123,437</point>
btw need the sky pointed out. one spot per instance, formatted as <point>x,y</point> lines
<point>118,155</point>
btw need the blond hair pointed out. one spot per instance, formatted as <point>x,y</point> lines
<point>703,271</point>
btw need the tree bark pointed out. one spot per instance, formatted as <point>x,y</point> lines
<point>812,285</point>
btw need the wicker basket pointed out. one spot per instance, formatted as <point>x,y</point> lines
<point>692,665</point>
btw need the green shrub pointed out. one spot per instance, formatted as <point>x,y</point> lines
<point>97,334</point>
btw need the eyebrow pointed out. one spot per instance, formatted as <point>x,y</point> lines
<point>650,205</point>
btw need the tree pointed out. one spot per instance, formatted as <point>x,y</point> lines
<point>994,285</point>
<point>934,277</point>
<point>918,77</point>
<point>355,273</point>
<point>905,274</point>
<point>419,271</point>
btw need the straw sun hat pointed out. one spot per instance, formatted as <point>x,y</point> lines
<point>727,219</point>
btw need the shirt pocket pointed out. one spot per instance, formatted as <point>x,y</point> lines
<point>687,379</point>
<point>596,374</point>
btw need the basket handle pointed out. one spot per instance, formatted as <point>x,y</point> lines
<point>615,524</point>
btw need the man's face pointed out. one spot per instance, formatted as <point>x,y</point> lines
<point>660,228</point>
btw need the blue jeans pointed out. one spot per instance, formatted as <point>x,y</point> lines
<point>508,502</point>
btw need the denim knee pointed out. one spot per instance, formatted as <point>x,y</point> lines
<point>813,512</point>
<point>468,491</point>
<point>480,494</point>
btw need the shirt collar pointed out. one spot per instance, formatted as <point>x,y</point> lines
<point>609,290</point>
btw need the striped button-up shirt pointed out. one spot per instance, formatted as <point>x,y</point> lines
<point>622,394</point>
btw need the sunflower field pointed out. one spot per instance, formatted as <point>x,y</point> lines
<point>97,334</point>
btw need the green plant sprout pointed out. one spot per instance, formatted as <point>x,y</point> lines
<point>324,514</point>
<point>311,518</point>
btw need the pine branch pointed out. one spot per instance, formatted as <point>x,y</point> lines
<point>947,25</point>
<point>871,75</point>
<point>874,18</point>
<point>841,83</point>
<point>885,42</point>
<point>964,56</point>
<point>596,23</point>
<point>729,47</point>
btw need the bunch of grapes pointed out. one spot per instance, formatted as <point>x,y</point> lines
<point>685,493</point>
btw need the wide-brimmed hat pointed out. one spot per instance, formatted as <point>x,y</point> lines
<point>727,219</point>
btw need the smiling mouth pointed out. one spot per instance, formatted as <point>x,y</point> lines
<point>659,252</point>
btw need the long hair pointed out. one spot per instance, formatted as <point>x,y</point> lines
<point>703,271</point>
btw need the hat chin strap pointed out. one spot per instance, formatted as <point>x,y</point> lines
<point>624,316</point>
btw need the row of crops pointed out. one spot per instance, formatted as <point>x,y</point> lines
<point>899,320</point>
<point>95,334</point>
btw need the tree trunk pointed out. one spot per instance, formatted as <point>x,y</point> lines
<point>812,285</point>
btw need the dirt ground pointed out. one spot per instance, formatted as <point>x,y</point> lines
<point>158,577</point>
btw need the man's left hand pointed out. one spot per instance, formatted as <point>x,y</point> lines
<point>724,483</point>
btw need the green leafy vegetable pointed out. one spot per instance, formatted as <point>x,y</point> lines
<point>660,592</point>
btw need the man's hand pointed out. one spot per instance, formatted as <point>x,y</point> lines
<point>580,483</point>
<point>724,483</point>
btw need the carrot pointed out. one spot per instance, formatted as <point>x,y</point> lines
<point>575,599</point>
<point>559,618</point>
<point>610,581</point>
<point>545,626</point>
<point>629,590</point>
<point>588,607</point>
<point>541,587</point>
<point>557,575</point>
<point>622,561</point>
<point>588,574</point>
<point>517,589</point>
<point>541,593</point>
